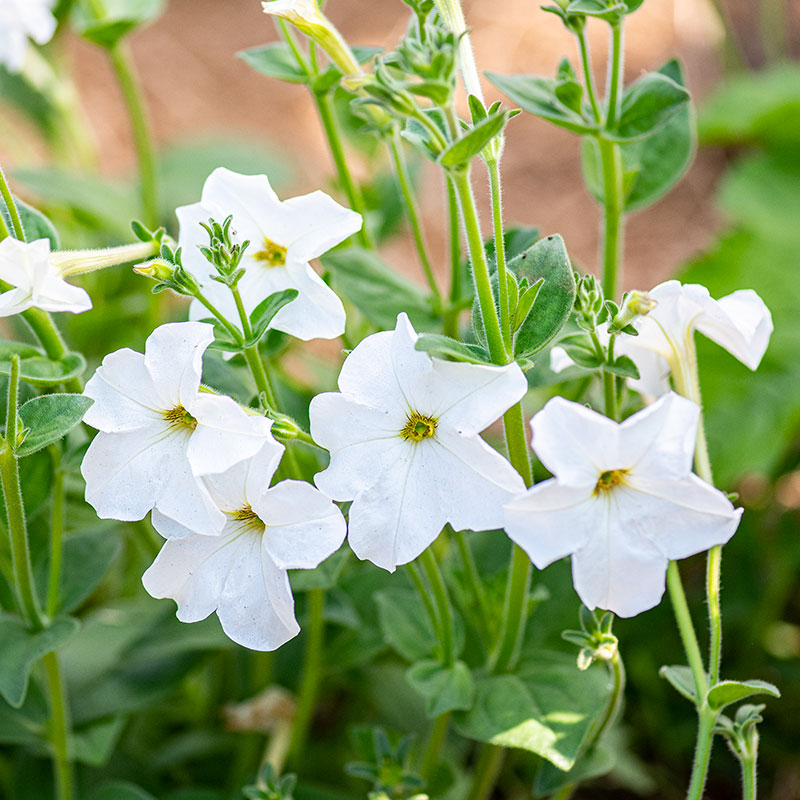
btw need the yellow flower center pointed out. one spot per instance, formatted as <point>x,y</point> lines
<point>180,417</point>
<point>272,254</point>
<point>418,427</point>
<point>247,518</point>
<point>610,479</point>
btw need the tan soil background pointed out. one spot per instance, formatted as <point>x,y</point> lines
<point>195,85</point>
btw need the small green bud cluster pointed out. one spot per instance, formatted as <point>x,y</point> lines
<point>595,639</point>
<point>386,767</point>
<point>589,302</point>
<point>741,732</point>
<point>223,253</point>
<point>573,13</point>
<point>522,295</point>
<point>270,786</point>
<point>167,269</point>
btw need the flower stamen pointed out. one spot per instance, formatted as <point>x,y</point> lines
<point>248,519</point>
<point>610,479</point>
<point>418,427</point>
<point>180,417</point>
<point>272,254</point>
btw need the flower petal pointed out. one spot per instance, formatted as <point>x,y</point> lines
<point>303,525</point>
<point>551,521</point>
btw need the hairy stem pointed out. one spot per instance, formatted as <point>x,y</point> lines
<point>451,315</point>
<point>442,600</point>
<point>59,728</point>
<point>500,251</point>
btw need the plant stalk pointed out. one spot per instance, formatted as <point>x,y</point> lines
<point>59,728</point>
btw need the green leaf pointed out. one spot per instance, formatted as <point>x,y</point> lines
<point>727,692</point>
<point>444,688</point>
<point>266,310</point>
<point>23,648</point>
<point>536,95</point>
<point>655,164</point>
<point>120,17</point>
<point>463,150</point>
<point>647,105</point>
<point>119,790</point>
<point>405,624</point>
<point>94,744</point>
<point>36,368</point>
<point>680,678</point>
<point>275,60</point>
<point>549,708</point>
<point>35,224</point>
<point>377,292</point>
<point>598,9</point>
<point>444,347</point>
<point>623,367</point>
<point>599,760</point>
<point>324,576</point>
<point>547,260</point>
<point>49,418</point>
<point>86,558</point>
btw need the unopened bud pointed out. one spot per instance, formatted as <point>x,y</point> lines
<point>76,262</point>
<point>635,304</point>
<point>157,269</point>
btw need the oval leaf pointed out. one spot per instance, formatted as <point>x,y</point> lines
<point>444,347</point>
<point>680,678</point>
<point>444,688</point>
<point>49,418</point>
<point>647,105</point>
<point>727,692</point>
<point>274,60</point>
<point>463,150</point>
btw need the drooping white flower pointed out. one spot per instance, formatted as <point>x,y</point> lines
<point>19,21</point>
<point>159,432</point>
<point>403,434</point>
<point>36,281</point>
<point>283,236</point>
<point>241,573</point>
<point>739,322</point>
<point>623,501</point>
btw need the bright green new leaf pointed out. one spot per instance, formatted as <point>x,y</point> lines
<point>266,310</point>
<point>680,678</point>
<point>536,95</point>
<point>444,688</point>
<point>727,692</point>
<point>22,648</point>
<point>444,347</point>
<point>376,291</point>
<point>647,105</point>
<point>48,418</point>
<point>459,154</point>
<point>598,8</point>
<point>550,708</point>
<point>275,60</point>
<point>623,367</point>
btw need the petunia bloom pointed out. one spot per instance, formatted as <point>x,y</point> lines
<point>241,573</point>
<point>19,21</point>
<point>283,236</point>
<point>403,434</point>
<point>159,432</point>
<point>36,281</point>
<point>623,502</point>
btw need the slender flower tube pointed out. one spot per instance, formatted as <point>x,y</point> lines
<point>242,573</point>
<point>284,237</point>
<point>21,20</point>
<point>623,502</point>
<point>158,432</point>
<point>36,280</point>
<point>453,17</point>
<point>403,433</point>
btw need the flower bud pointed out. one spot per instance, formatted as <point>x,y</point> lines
<point>634,304</point>
<point>157,269</point>
<point>76,262</point>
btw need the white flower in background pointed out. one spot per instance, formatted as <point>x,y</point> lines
<point>159,432</point>
<point>20,20</point>
<point>36,281</point>
<point>404,444</point>
<point>241,574</point>
<point>623,501</point>
<point>739,322</point>
<point>284,237</point>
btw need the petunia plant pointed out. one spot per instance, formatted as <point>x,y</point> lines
<point>241,460</point>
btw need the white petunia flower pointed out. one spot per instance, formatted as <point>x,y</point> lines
<point>404,444</point>
<point>284,237</point>
<point>241,574</point>
<point>19,21</point>
<point>36,281</point>
<point>159,432</point>
<point>623,501</point>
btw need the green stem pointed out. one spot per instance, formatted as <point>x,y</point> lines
<point>480,267</point>
<point>122,63</point>
<point>617,669</point>
<point>15,510</point>
<point>4,231</point>
<point>515,613</point>
<point>312,670</point>
<point>401,169</point>
<point>56,532</point>
<point>713,569</point>
<point>615,75</point>
<point>702,755</point>
<point>686,629</point>
<point>493,167</point>
<point>613,221</point>
<point>565,792</point>
<point>451,315</point>
<point>749,776</point>
<point>477,589</point>
<point>415,572</point>
<point>588,78</point>
<point>351,189</point>
<point>487,770</point>
<point>235,333</point>
<point>434,745</point>
<point>442,600</point>
<point>13,211</point>
<point>59,728</point>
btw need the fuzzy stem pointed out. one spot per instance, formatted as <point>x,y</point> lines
<point>588,78</point>
<point>749,775</point>
<point>702,755</point>
<point>476,586</point>
<point>56,532</point>
<point>59,727</point>
<point>451,315</point>
<point>312,669</point>
<point>13,211</point>
<point>686,630</point>
<point>401,169</point>
<point>122,63</point>
<point>493,167</point>
<point>442,600</point>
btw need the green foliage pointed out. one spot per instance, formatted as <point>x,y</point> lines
<point>36,368</point>
<point>444,688</point>
<point>461,152</point>
<point>47,419</point>
<point>275,60</point>
<point>404,623</point>
<point>22,648</point>
<point>647,105</point>
<point>726,692</point>
<point>35,224</point>
<point>119,18</point>
<point>444,347</point>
